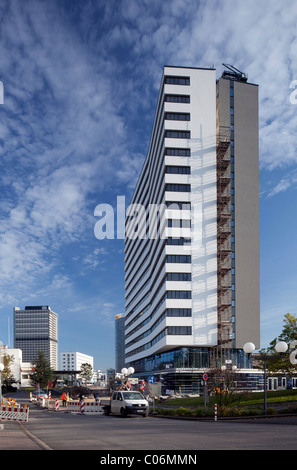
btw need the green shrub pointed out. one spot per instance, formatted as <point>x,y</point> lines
<point>181,411</point>
<point>250,412</point>
<point>289,410</point>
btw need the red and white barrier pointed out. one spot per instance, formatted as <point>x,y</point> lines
<point>14,414</point>
<point>216,412</point>
<point>91,407</point>
<point>75,406</point>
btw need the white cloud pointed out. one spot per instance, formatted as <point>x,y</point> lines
<point>95,259</point>
<point>288,181</point>
<point>59,125</point>
<point>81,85</point>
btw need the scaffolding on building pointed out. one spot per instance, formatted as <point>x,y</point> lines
<point>224,238</point>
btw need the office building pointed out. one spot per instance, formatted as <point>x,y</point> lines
<point>36,329</point>
<point>192,273</point>
<point>72,361</point>
<point>16,364</point>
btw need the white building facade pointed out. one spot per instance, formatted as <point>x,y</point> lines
<point>72,361</point>
<point>21,371</point>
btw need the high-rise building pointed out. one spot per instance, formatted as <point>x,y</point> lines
<point>119,342</point>
<point>36,329</point>
<point>192,259</point>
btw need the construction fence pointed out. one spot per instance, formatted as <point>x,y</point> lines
<point>11,411</point>
<point>73,406</point>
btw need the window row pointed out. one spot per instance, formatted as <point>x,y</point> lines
<point>178,259</point>
<point>175,205</point>
<point>179,276</point>
<point>177,134</point>
<point>179,312</point>
<point>180,188</point>
<point>178,241</point>
<point>179,223</point>
<point>177,116</point>
<point>179,330</point>
<point>179,294</point>
<point>178,170</point>
<point>177,152</point>
<point>177,98</point>
<point>176,80</point>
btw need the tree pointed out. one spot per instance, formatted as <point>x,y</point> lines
<point>42,371</point>
<point>277,362</point>
<point>86,372</point>
<point>223,384</point>
<point>289,332</point>
<point>7,376</point>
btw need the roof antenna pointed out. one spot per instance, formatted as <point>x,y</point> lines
<point>234,74</point>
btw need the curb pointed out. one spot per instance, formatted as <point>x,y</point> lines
<point>223,418</point>
<point>35,439</point>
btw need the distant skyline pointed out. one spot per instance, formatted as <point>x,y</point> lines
<point>81,82</point>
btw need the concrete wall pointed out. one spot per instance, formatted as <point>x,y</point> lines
<point>246,177</point>
<point>246,205</point>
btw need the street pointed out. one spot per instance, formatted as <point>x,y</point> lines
<point>67,431</point>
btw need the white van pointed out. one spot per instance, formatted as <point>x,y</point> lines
<point>125,403</point>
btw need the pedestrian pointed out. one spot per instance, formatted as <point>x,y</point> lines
<point>96,397</point>
<point>64,398</point>
<point>81,397</point>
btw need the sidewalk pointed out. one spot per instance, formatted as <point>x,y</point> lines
<point>14,436</point>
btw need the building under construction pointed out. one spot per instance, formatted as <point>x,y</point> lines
<point>192,296</point>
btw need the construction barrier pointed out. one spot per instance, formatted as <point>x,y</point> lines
<point>91,407</point>
<point>14,414</point>
<point>75,406</point>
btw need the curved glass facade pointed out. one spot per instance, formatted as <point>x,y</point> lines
<point>191,358</point>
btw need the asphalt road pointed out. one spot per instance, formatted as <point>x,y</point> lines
<point>66,431</point>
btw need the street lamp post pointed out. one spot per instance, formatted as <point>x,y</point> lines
<point>280,347</point>
<point>126,372</point>
<point>1,369</point>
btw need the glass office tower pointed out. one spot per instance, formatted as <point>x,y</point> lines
<point>36,329</point>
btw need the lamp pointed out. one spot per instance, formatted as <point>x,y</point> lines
<point>1,369</point>
<point>281,347</point>
<point>249,348</point>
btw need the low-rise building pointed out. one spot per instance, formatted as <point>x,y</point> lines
<point>72,361</point>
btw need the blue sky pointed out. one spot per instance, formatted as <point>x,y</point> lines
<point>81,80</point>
